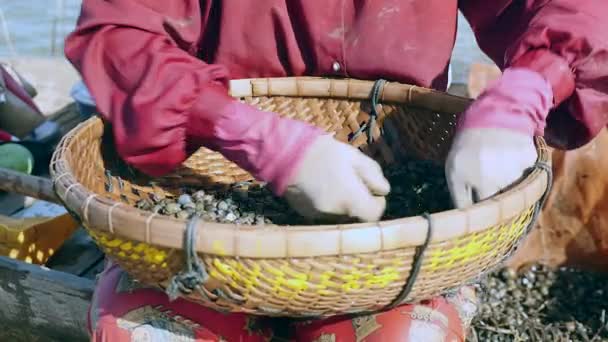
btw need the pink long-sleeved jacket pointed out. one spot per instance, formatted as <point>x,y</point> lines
<point>158,70</point>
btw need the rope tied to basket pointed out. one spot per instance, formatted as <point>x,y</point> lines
<point>417,265</point>
<point>419,256</point>
<point>194,274</point>
<point>535,214</point>
<point>537,209</point>
<point>368,126</point>
<point>539,205</point>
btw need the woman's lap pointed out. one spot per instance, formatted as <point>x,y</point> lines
<point>124,311</point>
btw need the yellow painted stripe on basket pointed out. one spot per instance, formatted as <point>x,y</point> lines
<point>155,256</point>
<point>284,281</point>
<point>287,283</point>
<point>484,243</point>
<point>126,246</point>
<point>477,246</point>
<point>297,284</point>
<point>217,247</point>
<point>140,247</point>
<point>249,276</point>
<point>385,277</point>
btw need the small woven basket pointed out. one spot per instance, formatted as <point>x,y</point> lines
<point>300,271</point>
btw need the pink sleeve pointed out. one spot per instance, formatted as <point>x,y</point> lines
<point>138,58</point>
<point>563,40</point>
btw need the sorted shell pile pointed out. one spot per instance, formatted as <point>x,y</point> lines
<point>242,203</point>
<point>416,187</point>
<point>542,304</point>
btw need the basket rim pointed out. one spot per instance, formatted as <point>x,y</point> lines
<point>302,241</point>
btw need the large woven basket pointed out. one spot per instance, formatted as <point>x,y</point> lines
<point>301,270</point>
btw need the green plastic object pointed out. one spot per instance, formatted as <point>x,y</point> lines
<point>17,158</point>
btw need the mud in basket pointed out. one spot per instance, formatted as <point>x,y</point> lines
<point>301,271</point>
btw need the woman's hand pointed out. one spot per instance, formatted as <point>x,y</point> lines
<point>494,143</point>
<point>319,176</point>
<point>336,179</point>
<point>484,161</point>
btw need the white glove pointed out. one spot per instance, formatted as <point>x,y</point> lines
<point>484,161</point>
<point>336,179</point>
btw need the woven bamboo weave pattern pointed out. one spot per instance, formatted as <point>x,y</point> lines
<point>301,282</point>
<point>300,270</point>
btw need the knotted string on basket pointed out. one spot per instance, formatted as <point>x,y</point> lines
<point>368,126</point>
<point>543,200</point>
<point>62,199</point>
<point>537,210</point>
<point>538,207</point>
<point>409,285</point>
<point>418,257</point>
<point>194,274</point>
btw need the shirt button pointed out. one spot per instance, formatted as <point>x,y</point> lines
<point>336,66</point>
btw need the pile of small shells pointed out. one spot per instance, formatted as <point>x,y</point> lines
<point>242,203</point>
<point>417,187</point>
<point>542,304</point>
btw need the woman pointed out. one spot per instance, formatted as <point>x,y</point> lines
<point>159,70</point>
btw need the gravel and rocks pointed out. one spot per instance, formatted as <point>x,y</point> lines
<point>542,304</point>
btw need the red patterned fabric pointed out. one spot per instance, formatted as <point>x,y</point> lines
<point>124,311</point>
<point>442,319</point>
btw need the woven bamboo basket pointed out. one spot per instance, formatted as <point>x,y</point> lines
<point>301,271</point>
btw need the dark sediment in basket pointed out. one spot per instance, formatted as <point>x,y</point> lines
<point>417,186</point>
